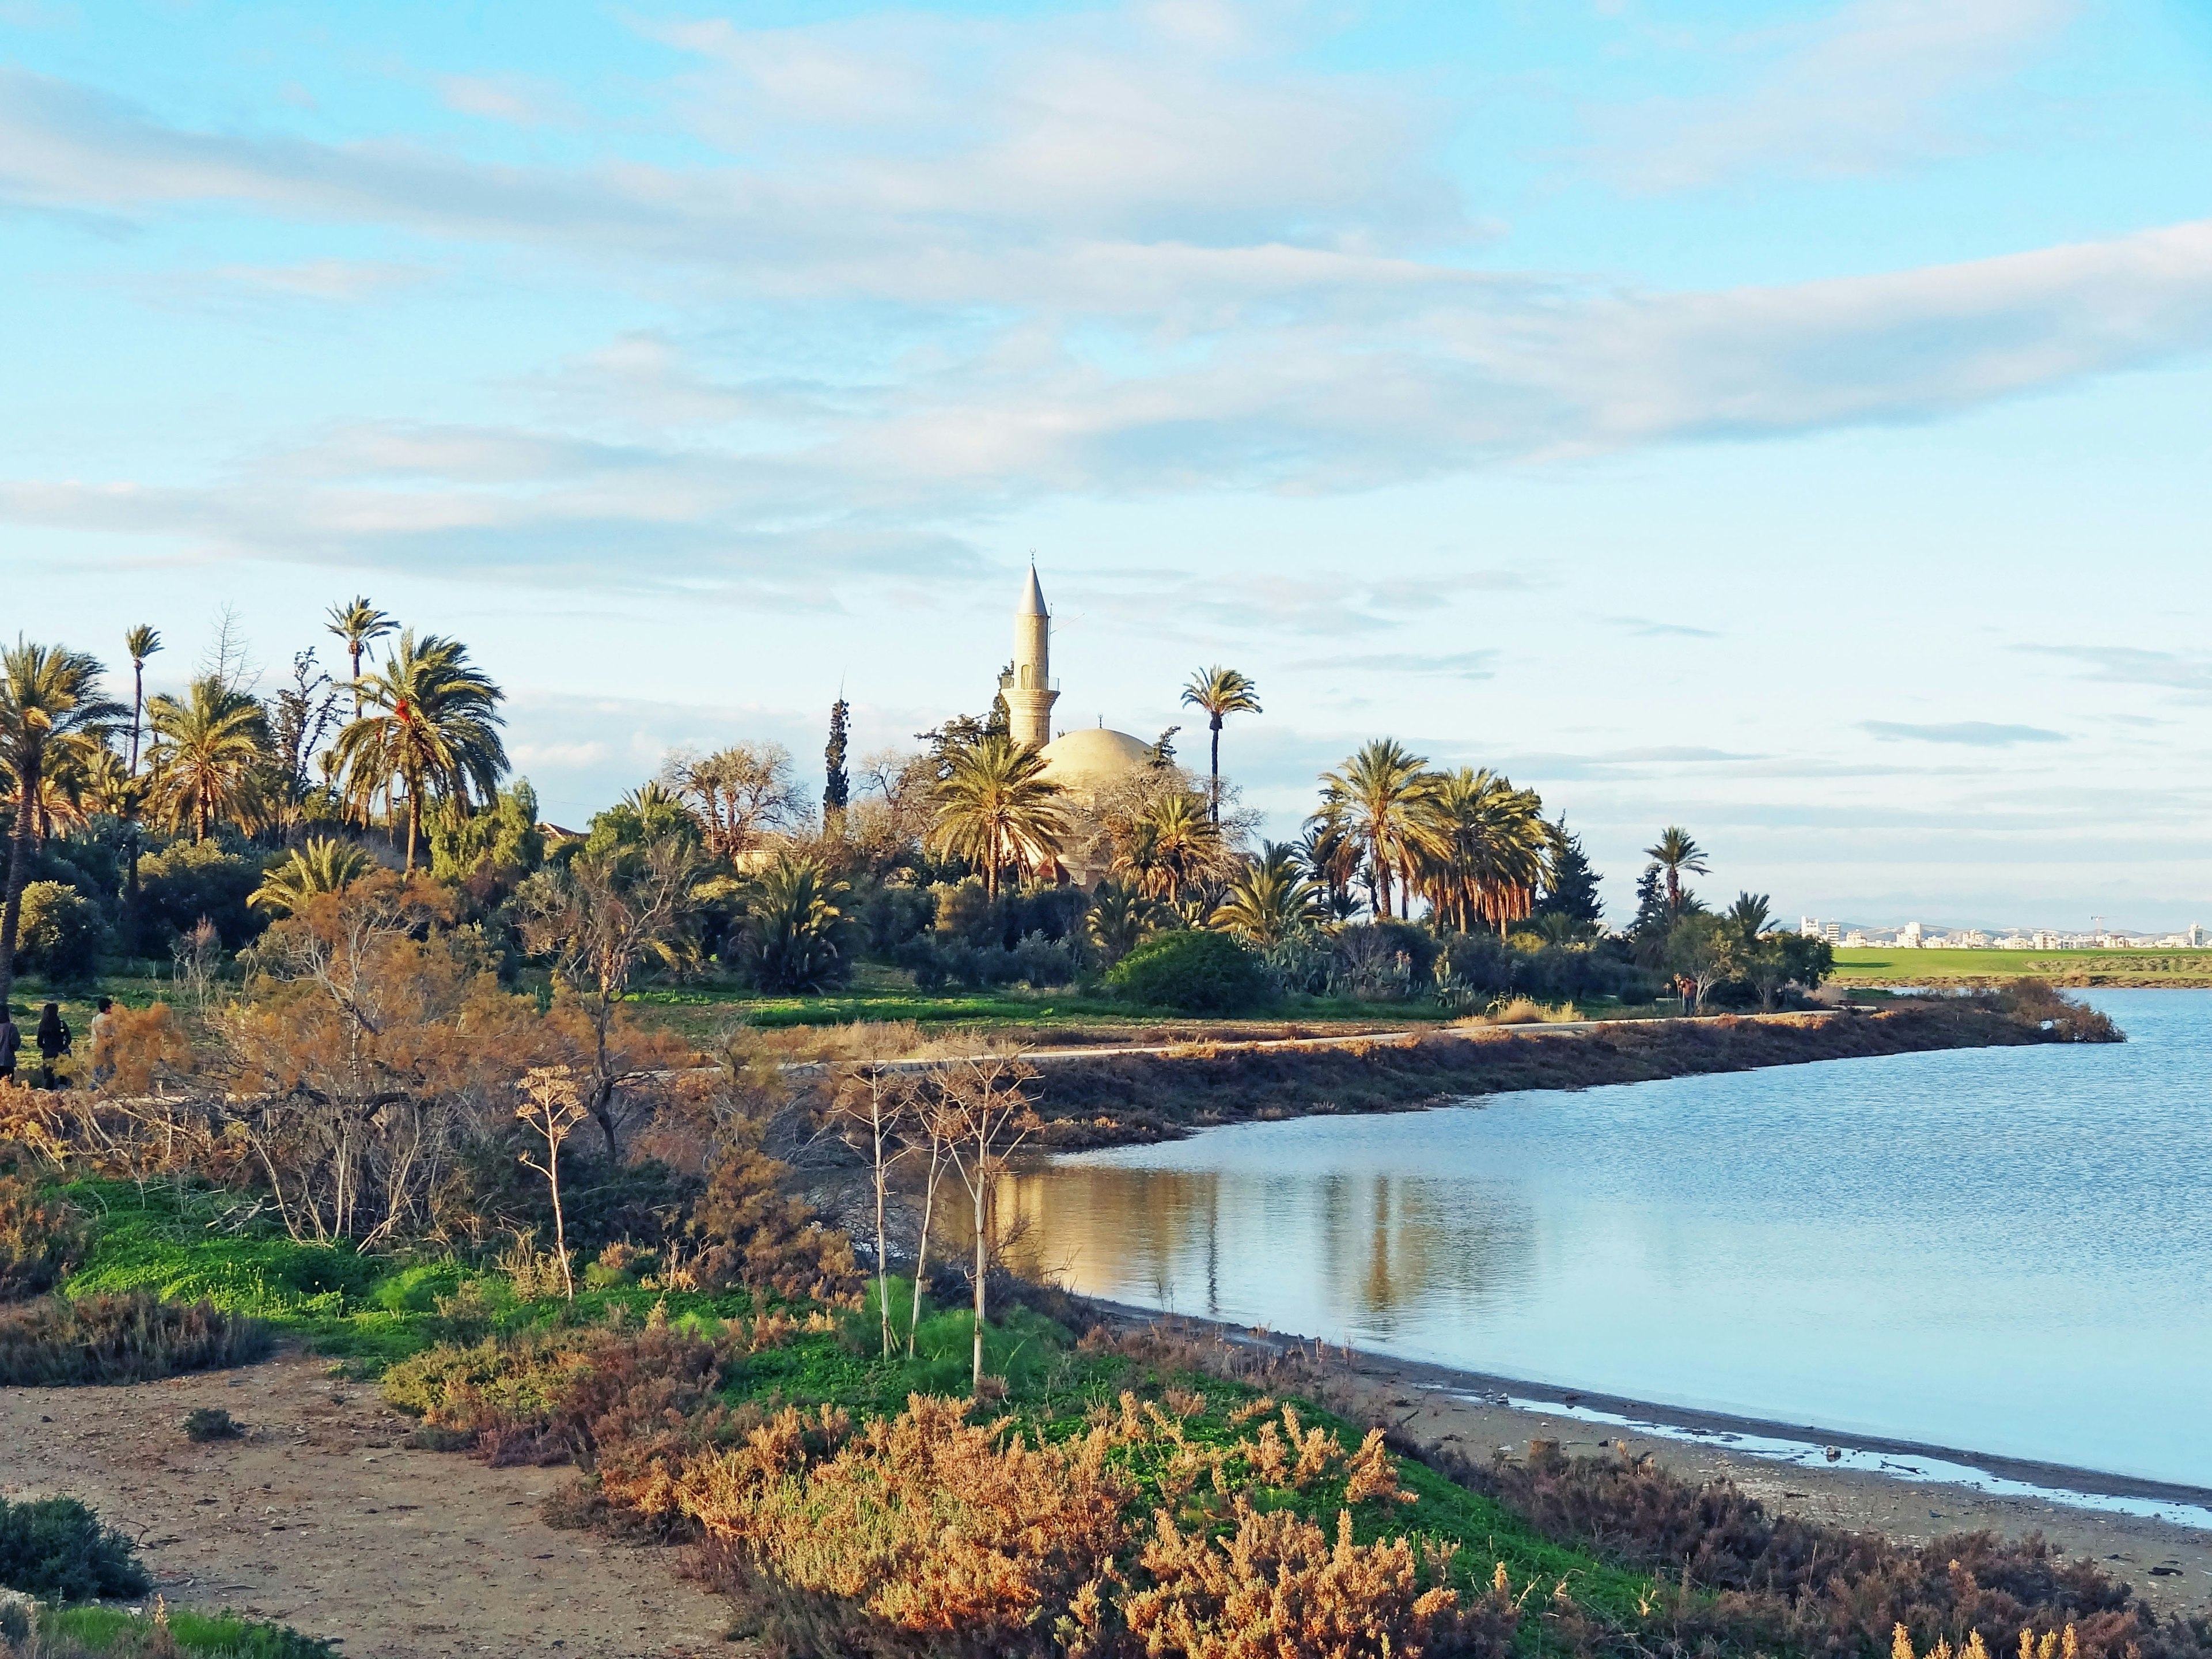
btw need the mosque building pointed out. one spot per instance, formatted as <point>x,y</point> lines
<point>1086,762</point>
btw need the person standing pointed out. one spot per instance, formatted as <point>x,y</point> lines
<point>103,1039</point>
<point>11,1041</point>
<point>53,1038</point>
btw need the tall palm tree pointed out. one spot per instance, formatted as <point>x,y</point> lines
<point>325,864</point>
<point>997,809</point>
<point>360,624</point>
<point>1486,851</point>
<point>1220,692</point>
<point>431,723</point>
<point>1381,794</point>
<point>1678,854</point>
<point>48,694</point>
<point>1269,901</point>
<point>206,752</point>
<point>141,643</point>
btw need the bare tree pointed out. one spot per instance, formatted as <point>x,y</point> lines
<point>986,1096</point>
<point>940,1124</point>
<point>552,1109</point>
<point>602,917</point>
<point>880,1100</point>
<point>740,793</point>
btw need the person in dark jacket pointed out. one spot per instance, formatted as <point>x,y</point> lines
<point>53,1038</point>
<point>10,1040</point>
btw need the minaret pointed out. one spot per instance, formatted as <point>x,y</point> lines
<point>1029,690</point>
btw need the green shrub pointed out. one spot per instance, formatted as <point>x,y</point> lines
<point>134,1338</point>
<point>94,1633</point>
<point>190,880</point>
<point>60,935</point>
<point>55,1548</point>
<point>210,1423</point>
<point>1194,973</point>
<point>40,1239</point>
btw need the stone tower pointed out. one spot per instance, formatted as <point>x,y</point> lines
<point>1029,690</point>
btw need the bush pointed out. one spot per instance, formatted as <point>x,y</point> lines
<point>61,934</point>
<point>194,879</point>
<point>56,1549</point>
<point>131,1338</point>
<point>40,1240</point>
<point>212,1423</point>
<point>1194,973</point>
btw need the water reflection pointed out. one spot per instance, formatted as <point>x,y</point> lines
<point>2004,1250</point>
<point>1377,1252</point>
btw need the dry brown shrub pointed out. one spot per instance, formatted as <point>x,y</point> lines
<point>40,1239</point>
<point>1277,1588</point>
<point>925,1521</point>
<point>756,1234</point>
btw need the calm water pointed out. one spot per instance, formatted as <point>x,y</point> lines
<point>2007,1250</point>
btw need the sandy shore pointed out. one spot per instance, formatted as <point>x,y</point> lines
<point>320,1519</point>
<point>2169,1565</point>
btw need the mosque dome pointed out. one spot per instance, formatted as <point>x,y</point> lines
<point>1091,758</point>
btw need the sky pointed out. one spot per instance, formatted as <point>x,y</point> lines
<point>1784,421</point>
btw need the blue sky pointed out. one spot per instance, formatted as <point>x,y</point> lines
<point>1789,422</point>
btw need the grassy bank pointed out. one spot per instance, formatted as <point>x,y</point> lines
<point>1140,1098</point>
<point>2115,968</point>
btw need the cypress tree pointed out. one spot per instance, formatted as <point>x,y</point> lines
<point>836,787</point>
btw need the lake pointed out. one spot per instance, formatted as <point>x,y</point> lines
<point>2007,1250</point>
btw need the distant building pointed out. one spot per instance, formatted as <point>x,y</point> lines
<point>1855,940</point>
<point>1909,937</point>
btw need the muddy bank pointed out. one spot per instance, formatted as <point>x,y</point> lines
<point>1123,1099</point>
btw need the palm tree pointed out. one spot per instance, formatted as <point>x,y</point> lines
<point>48,694</point>
<point>1120,918</point>
<point>1382,795</point>
<point>1330,855</point>
<point>1172,846</point>
<point>1748,917</point>
<point>793,911</point>
<point>1220,692</point>
<point>996,808</point>
<point>141,643</point>
<point>432,724</point>
<point>1678,855</point>
<point>1269,901</point>
<point>65,793</point>
<point>360,624</point>
<point>325,864</point>
<point>1486,849</point>
<point>205,754</point>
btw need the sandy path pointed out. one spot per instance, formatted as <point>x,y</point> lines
<point>321,1520</point>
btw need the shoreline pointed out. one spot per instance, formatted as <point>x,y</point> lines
<point>1134,1098</point>
<point>2167,1560</point>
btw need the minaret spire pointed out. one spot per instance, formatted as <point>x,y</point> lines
<point>1029,690</point>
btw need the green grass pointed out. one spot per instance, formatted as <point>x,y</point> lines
<point>189,1244</point>
<point>218,1636</point>
<point>1882,966</point>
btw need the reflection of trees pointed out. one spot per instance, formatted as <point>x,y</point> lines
<point>1378,1254</point>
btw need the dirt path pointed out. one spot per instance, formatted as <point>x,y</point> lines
<point>321,1520</point>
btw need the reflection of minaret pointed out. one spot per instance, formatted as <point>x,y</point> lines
<point>1029,690</point>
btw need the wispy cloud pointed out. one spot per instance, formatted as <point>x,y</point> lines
<point>1454,665</point>
<point>1972,734</point>
<point>2126,664</point>
<point>1872,85</point>
<point>1645,628</point>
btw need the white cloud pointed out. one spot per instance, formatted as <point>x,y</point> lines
<point>1872,86</point>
